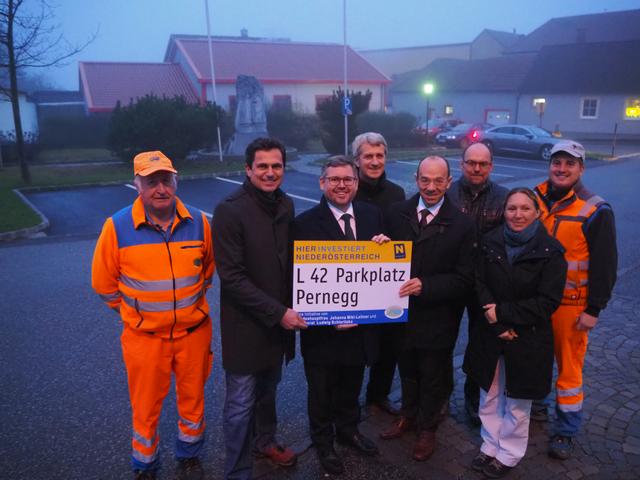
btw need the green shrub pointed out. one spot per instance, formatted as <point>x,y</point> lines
<point>292,128</point>
<point>171,125</point>
<point>74,131</point>
<point>332,120</point>
<point>394,127</point>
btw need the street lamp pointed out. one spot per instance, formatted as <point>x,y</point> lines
<point>427,88</point>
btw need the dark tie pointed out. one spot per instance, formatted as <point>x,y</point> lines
<point>424,216</point>
<point>348,232</point>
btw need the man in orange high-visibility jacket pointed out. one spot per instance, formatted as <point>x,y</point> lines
<point>584,224</point>
<point>153,264</point>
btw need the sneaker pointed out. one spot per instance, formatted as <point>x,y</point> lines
<point>190,469</point>
<point>560,447</point>
<point>480,461</point>
<point>144,475</point>
<point>496,469</point>
<point>282,456</point>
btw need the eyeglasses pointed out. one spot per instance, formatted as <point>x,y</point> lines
<point>474,164</point>
<point>335,181</point>
<point>438,182</point>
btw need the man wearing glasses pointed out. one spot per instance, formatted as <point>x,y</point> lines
<point>441,277</point>
<point>483,200</point>
<point>335,357</point>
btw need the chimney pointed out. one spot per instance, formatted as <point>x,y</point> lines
<point>244,33</point>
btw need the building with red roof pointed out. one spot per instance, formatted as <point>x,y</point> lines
<point>295,75</point>
<point>104,84</point>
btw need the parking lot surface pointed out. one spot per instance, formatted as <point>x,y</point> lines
<point>64,406</point>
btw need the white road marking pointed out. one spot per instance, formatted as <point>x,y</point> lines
<point>207,214</point>
<point>306,199</point>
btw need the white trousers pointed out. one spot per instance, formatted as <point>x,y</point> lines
<point>505,421</point>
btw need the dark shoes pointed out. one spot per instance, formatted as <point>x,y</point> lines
<point>496,469</point>
<point>382,406</point>
<point>189,469</point>
<point>330,460</point>
<point>480,461</point>
<point>399,427</point>
<point>425,446</point>
<point>144,475</point>
<point>359,442</point>
<point>281,456</point>
<point>560,447</point>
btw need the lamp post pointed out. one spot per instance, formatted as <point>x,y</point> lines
<point>427,88</point>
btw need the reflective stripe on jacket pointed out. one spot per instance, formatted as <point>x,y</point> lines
<point>565,222</point>
<point>156,280</point>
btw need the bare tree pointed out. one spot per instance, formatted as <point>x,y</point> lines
<point>29,39</point>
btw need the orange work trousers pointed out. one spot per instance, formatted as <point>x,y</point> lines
<point>570,346</point>
<point>150,360</point>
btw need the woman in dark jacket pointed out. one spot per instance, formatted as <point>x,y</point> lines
<point>520,278</point>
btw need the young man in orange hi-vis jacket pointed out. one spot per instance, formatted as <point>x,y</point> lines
<point>153,264</point>
<point>584,224</point>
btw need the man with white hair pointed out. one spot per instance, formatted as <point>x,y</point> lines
<point>370,154</point>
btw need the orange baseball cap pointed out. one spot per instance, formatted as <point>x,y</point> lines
<point>146,163</point>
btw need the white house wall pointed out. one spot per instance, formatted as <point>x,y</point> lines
<point>303,96</point>
<point>28,115</point>
<point>468,107</point>
<point>564,112</point>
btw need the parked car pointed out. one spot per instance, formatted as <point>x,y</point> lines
<point>436,126</point>
<point>519,140</point>
<point>462,135</point>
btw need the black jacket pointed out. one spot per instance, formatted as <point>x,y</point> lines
<point>381,194</point>
<point>442,259</point>
<point>526,294</point>
<point>486,206</point>
<point>251,241</point>
<point>324,345</point>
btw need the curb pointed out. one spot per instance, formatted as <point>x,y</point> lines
<point>44,221</point>
<point>29,231</point>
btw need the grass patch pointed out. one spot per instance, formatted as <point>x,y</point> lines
<point>14,214</point>
<point>75,155</point>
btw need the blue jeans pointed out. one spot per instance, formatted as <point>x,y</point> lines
<point>249,419</point>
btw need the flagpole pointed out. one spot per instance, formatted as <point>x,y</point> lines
<point>344,32</point>
<point>213,77</point>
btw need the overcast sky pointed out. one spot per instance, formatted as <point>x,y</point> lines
<point>138,30</point>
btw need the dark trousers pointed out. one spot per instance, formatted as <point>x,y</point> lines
<point>382,372</point>
<point>332,401</point>
<point>249,419</point>
<point>426,384</point>
<point>475,315</point>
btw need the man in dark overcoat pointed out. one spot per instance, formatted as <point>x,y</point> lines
<point>442,274</point>
<point>369,151</point>
<point>477,195</point>
<point>251,237</point>
<point>335,356</point>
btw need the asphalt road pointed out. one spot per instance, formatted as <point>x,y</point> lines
<point>82,211</point>
<point>64,407</point>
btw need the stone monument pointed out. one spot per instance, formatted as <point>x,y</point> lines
<point>251,118</point>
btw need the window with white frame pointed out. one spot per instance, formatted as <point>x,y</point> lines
<point>448,109</point>
<point>589,108</point>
